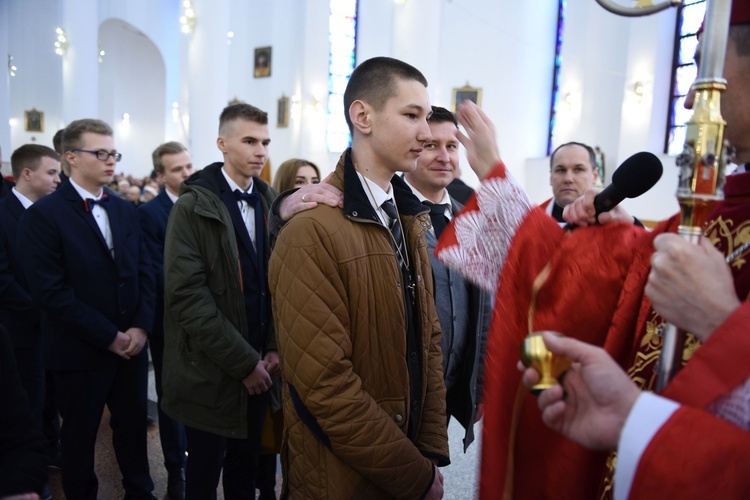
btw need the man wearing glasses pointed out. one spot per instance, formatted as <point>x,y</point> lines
<point>88,269</point>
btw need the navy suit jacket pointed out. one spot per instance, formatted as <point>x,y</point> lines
<point>86,294</point>
<point>153,216</point>
<point>17,312</point>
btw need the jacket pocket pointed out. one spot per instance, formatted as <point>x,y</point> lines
<point>396,409</point>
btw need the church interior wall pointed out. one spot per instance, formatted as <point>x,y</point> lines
<point>504,48</point>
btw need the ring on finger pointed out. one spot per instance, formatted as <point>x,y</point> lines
<point>303,198</point>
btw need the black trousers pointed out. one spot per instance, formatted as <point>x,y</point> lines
<point>81,396</point>
<point>208,453</point>
<point>171,432</point>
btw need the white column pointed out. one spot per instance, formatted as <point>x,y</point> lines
<point>206,71</point>
<point>80,20</point>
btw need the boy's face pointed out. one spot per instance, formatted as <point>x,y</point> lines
<point>400,128</point>
<point>244,144</point>
<point>45,178</point>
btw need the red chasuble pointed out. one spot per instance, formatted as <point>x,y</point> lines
<point>586,284</point>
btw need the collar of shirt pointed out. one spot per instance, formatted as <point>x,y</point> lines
<point>376,196</point>
<point>171,196</point>
<point>24,201</point>
<point>740,169</point>
<point>234,186</point>
<point>445,201</point>
<point>85,194</point>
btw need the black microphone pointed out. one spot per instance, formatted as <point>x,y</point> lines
<point>635,176</point>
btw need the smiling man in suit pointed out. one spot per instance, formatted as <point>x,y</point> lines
<point>87,268</point>
<point>172,165</point>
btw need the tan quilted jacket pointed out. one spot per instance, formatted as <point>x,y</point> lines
<point>339,313</point>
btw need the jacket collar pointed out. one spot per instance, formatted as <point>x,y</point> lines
<point>356,203</point>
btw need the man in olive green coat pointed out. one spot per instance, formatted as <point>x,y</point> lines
<point>219,344</point>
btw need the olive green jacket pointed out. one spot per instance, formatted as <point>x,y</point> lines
<point>206,352</point>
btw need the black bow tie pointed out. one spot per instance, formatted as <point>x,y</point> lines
<point>88,203</point>
<point>248,198</point>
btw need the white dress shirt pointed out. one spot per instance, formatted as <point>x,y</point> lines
<point>248,212</point>
<point>100,215</point>
<point>24,201</point>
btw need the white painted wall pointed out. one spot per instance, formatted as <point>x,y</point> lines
<point>506,48</point>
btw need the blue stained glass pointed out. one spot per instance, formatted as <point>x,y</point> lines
<point>692,18</point>
<point>684,78</point>
<point>342,33</point>
<point>687,50</point>
<point>685,71</point>
<point>676,140</point>
<point>556,75</point>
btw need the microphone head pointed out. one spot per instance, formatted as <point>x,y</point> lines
<point>637,174</point>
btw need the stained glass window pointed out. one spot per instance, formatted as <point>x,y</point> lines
<point>556,76</point>
<point>342,36</point>
<point>689,22</point>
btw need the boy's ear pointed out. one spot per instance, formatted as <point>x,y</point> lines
<point>359,114</point>
<point>221,144</point>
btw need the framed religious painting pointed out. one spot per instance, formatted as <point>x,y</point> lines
<point>262,68</point>
<point>466,93</point>
<point>282,112</point>
<point>34,121</point>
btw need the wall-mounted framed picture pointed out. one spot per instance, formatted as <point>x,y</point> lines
<point>34,121</point>
<point>467,92</point>
<point>262,62</point>
<point>282,112</point>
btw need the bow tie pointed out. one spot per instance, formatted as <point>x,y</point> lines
<point>248,198</point>
<point>88,203</point>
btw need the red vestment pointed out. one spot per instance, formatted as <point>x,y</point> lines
<point>587,284</point>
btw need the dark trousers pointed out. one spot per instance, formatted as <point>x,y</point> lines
<point>121,385</point>
<point>51,419</point>
<point>31,370</point>
<point>171,432</point>
<point>209,453</point>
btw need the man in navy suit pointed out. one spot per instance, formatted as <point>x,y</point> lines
<point>172,165</point>
<point>5,184</point>
<point>88,269</point>
<point>36,170</point>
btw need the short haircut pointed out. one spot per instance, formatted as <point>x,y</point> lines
<point>374,82</point>
<point>442,115</point>
<point>740,35</point>
<point>242,111</point>
<point>57,141</point>
<point>168,148</point>
<point>589,150</point>
<point>71,136</point>
<point>285,175</point>
<point>30,156</point>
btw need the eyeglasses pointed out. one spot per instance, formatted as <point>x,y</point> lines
<point>101,154</point>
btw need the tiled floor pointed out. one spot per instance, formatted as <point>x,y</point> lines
<point>108,472</point>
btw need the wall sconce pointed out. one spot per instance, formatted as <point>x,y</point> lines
<point>126,119</point>
<point>61,45</point>
<point>568,100</point>
<point>187,19</point>
<point>230,37</point>
<point>11,66</point>
<point>101,53</point>
<point>399,2</point>
<point>638,90</point>
<point>316,104</point>
<point>295,111</point>
<point>175,112</point>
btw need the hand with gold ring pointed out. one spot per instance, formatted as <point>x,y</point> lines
<point>308,196</point>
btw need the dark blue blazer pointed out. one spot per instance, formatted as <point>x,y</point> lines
<point>153,216</point>
<point>17,312</point>
<point>86,294</point>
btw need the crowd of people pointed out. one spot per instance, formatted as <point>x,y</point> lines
<point>341,322</point>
